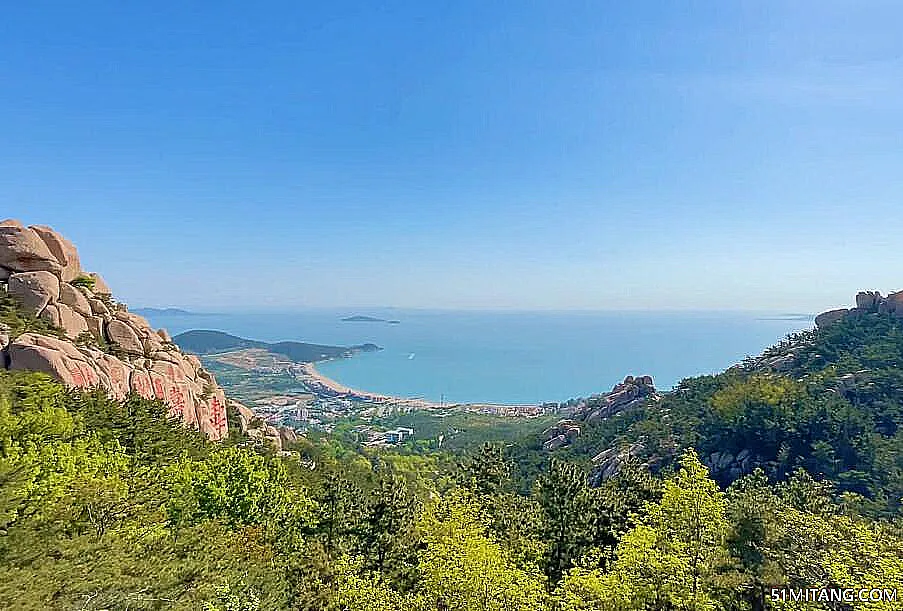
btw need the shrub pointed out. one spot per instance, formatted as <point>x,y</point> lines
<point>84,282</point>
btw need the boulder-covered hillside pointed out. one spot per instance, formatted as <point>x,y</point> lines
<point>59,319</point>
<point>828,400</point>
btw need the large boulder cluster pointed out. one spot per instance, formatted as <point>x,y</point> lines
<point>867,302</point>
<point>783,358</point>
<point>102,344</point>
<point>261,431</point>
<point>631,393</point>
<point>609,462</point>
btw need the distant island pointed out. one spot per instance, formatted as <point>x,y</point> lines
<point>166,312</point>
<point>359,318</point>
<point>212,342</point>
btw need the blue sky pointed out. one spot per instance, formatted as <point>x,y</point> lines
<point>623,155</point>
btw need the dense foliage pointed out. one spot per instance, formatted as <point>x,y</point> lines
<point>108,505</point>
<point>834,409</point>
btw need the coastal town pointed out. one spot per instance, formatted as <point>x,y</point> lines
<point>296,395</point>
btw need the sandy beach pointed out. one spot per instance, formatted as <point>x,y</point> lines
<point>314,378</point>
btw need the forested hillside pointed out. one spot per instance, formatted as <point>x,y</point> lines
<point>829,401</point>
<point>109,504</point>
<point>210,342</point>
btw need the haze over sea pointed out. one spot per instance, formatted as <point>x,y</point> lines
<point>511,357</point>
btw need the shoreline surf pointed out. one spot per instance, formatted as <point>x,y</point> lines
<point>312,377</point>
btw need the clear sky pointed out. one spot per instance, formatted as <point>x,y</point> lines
<point>511,154</point>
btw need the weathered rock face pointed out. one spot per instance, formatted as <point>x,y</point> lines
<point>61,359</point>
<point>34,289</point>
<point>259,430</point>
<point>631,393</point>
<point>609,462</point>
<point>125,336</point>
<point>23,250</point>
<point>38,267</point>
<point>75,299</point>
<point>867,302</point>
<point>894,303</point>
<point>64,317</point>
<point>62,249</point>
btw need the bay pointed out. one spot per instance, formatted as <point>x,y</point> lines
<point>510,356</point>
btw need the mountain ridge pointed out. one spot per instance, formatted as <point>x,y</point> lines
<point>825,400</point>
<point>205,341</point>
<point>109,502</point>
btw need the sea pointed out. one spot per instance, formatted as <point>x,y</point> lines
<point>510,357</point>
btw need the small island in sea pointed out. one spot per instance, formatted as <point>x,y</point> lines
<point>359,318</point>
<point>167,312</point>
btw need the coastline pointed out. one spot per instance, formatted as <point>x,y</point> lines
<point>312,377</point>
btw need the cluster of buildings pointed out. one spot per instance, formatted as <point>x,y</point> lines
<point>322,414</point>
<point>323,403</point>
<point>513,411</point>
<point>304,412</point>
<point>372,437</point>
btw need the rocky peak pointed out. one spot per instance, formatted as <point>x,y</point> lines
<point>101,343</point>
<point>867,302</point>
<point>626,395</point>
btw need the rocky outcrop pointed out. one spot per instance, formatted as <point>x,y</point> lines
<point>629,394</point>
<point>75,299</point>
<point>830,317</point>
<point>103,344</point>
<point>23,250</point>
<point>609,462</point>
<point>725,467</point>
<point>63,317</point>
<point>561,434</point>
<point>867,302</point>
<point>34,290</point>
<point>256,428</point>
<point>125,337</point>
<point>779,363</point>
<point>62,249</point>
<point>100,287</point>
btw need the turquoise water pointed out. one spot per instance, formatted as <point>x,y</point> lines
<point>511,357</point>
